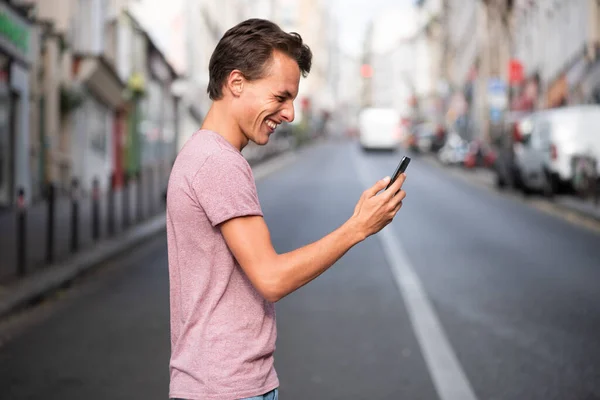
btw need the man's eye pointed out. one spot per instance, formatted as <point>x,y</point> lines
<point>280,99</point>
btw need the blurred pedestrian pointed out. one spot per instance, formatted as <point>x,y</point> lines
<point>224,273</point>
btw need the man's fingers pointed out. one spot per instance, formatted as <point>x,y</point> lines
<point>380,185</point>
<point>396,186</point>
<point>398,198</point>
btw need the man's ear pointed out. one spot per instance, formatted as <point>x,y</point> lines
<point>235,83</point>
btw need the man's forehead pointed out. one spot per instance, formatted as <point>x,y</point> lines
<point>283,73</point>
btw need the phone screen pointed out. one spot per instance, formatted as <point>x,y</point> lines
<point>399,170</point>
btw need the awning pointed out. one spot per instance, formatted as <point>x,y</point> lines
<point>98,76</point>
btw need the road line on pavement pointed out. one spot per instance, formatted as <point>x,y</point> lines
<point>446,372</point>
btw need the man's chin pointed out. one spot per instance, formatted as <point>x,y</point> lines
<point>262,140</point>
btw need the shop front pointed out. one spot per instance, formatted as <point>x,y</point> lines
<point>15,59</point>
<point>99,123</point>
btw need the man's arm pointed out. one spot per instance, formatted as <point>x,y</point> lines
<point>277,275</point>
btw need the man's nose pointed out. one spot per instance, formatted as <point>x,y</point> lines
<point>288,111</point>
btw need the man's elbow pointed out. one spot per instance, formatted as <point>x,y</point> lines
<point>271,290</point>
<point>272,297</point>
<point>270,282</point>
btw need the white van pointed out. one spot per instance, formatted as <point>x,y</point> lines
<point>379,128</point>
<point>552,142</point>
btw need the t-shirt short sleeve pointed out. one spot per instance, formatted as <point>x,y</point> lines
<point>225,188</point>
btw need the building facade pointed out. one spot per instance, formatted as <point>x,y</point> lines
<point>390,61</point>
<point>17,54</point>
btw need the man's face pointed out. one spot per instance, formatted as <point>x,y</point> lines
<point>267,102</point>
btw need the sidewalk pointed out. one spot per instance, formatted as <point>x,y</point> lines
<point>44,281</point>
<point>486,178</point>
<point>54,276</point>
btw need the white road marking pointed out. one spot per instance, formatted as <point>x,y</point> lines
<point>446,372</point>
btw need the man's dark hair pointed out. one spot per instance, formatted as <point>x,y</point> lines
<point>248,47</point>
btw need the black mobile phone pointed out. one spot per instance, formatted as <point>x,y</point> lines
<point>399,169</point>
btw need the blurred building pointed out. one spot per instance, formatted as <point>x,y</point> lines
<point>390,56</point>
<point>556,42</point>
<point>18,42</point>
<point>95,79</point>
<point>347,87</point>
<point>199,27</point>
<point>519,55</point>
<point>78,96</point>
<point>428,52</point>
<point>462,24</point>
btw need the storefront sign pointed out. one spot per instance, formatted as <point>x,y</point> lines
<point>515,72</point>
<point>497,98</point>
<point>15,33</point>
<point>497,93</point>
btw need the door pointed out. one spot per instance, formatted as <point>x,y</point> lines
<point>6,140</point>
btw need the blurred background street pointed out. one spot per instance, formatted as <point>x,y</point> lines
<point>486,286</point>
<point>515,290</point>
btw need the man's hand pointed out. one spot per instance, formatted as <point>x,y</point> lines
<point>374,211</point>
<point>276,275</point>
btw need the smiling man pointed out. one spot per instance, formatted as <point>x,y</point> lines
<point>224,273</point>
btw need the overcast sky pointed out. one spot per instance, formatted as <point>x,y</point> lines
<point>352,15</point>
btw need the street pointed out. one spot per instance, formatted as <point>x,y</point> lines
<point>516,293</point>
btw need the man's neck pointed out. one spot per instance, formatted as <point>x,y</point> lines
<point>218,119</point>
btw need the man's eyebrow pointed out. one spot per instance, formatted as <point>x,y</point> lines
<point>285,94</point>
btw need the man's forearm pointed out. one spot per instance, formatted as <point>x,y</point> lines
<point>298,267</point>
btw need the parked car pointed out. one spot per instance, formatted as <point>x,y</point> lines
<point>548,153</point>
<point>479,154</point>
<point>427,137</point>
<point>454,151</point>
<point>379,128</point>
<point>516,123</point>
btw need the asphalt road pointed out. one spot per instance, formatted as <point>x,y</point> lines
<point>516,293</point>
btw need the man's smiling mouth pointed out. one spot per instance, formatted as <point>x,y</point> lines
<point>271,124</point>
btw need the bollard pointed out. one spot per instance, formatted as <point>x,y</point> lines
<point>125,201</point>
<point>95,209</point>
<point>111,206</point>
<point>74,215</point>
<point>150,195</point>
<point>21,234</point>
<point>139,195</point>
<point>50,227</point>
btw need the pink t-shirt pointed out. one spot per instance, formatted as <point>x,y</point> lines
<point>222,330</point>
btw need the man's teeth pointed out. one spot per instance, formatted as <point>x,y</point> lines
<point>271,124</point>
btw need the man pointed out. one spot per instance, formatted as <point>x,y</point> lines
<point>225,275</point>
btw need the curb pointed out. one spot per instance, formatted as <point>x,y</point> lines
<point>576,210</point>
<point>45,281</point>
<point>52,277</point>
<point>556,207</point>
